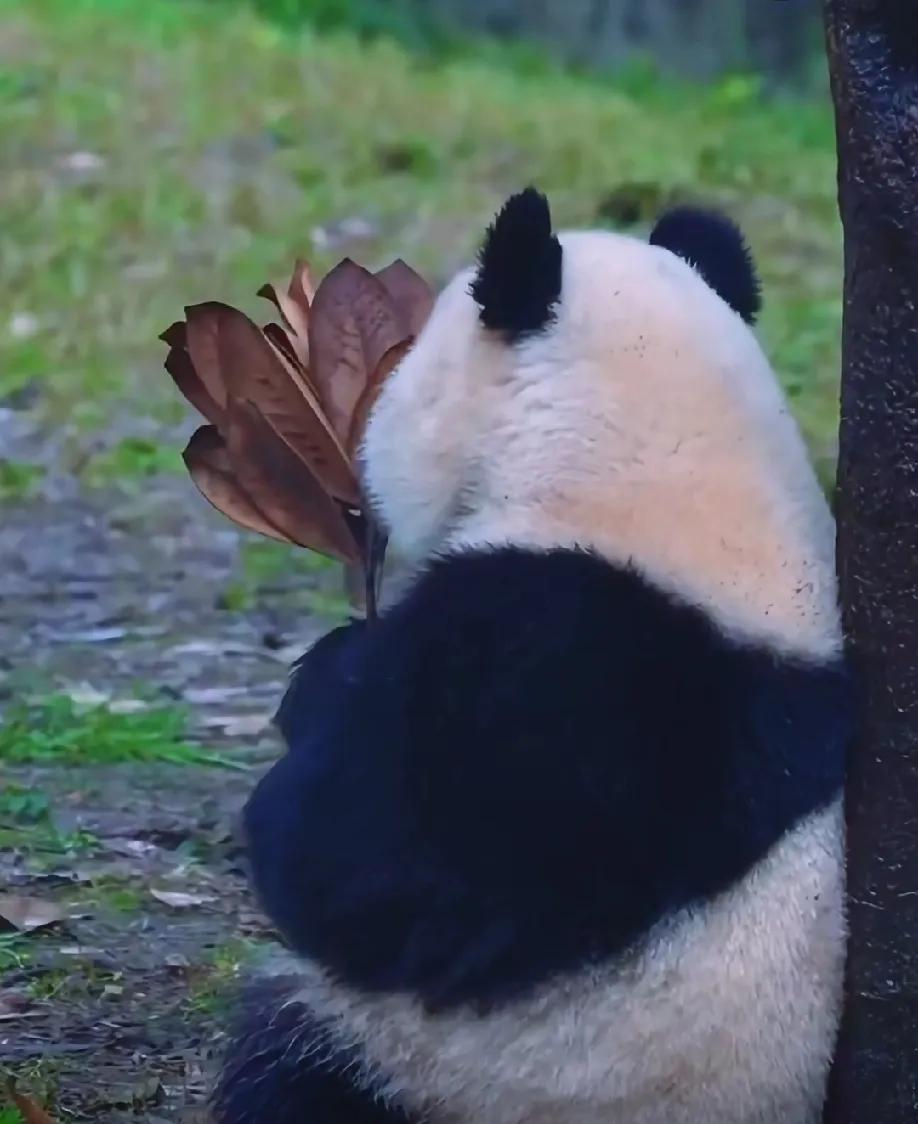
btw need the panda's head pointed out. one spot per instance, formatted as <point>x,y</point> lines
<point>597,390</point>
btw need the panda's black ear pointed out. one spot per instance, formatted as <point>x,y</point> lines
<point>715,247</point>
<point>518,281</point>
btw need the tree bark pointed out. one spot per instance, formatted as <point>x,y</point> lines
<point>873,60</point>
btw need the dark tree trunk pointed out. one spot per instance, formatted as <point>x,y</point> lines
<point>873,58</point>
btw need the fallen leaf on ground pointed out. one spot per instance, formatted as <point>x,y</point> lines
<point>93,956</point>
<point>216,647</point>
<point>85,694</point>
<point>131,848</point>
<point>14,1004</point>
<point>207,696</point>
<point>92,635</point>
<point>26,914</point>
<point>237,725</point>
<point>179,899</point>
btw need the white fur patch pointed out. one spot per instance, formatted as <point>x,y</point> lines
<point>645,423</point>
<point>726,1015</point>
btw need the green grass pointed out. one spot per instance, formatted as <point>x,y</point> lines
<point>18,480</point>
<point>264,562</point>
<point>23,804</point>
<point>220,141</point>
<point>26,824</point>
<point>129,462</point>
<point>55,730</point>
<point>14,952</point>
<point>215,984</point>
<point>10,1115</point>
<point>303,580</point>
<point>113,894</point>
<point>45,846</point>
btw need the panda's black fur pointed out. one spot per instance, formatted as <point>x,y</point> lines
<point>519,275</point>
<point>716,248</point>
<point>528,762</point>
<point>519,268</point>
<point>465,774</point>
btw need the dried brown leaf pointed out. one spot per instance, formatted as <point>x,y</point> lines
<point>26,914</point>
<point>283,487</point>
<point>14,1004</point>
<point>294,307</point>
<point>295,317</point>
<point>279,339</point>
<point>179,365</point>
<point>176,335</point>
<point>209,465</point>
<point>254,373</point>
<point>289,403</point>
<point>280,344</point>
<point>179,899</point>
<point>302,287</point>
<point>202,325</point>
<point>238,725</point>
<point>412,296</point>
<point>354,322</point>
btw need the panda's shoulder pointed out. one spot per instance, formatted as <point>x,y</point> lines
<point>574,613</point>
<point>564,643</point>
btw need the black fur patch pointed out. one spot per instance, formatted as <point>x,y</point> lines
<point>715,246</point>
<point>519,272</point>
<point>285,1067</point>
<point>521,767</point>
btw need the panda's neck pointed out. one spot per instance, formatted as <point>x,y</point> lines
<point>756,555</point>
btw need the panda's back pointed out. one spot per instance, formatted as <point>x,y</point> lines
<point>550,848</point>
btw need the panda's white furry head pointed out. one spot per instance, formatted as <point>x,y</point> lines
<point>603,391</point>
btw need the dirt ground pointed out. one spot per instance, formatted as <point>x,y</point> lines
<point>115,1011</point>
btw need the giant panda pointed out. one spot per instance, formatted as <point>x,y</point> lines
<point>557,839</point>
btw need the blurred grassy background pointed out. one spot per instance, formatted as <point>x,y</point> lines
<point>156,153</point>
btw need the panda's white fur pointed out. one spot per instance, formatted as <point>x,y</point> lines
<point>646,424</point>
